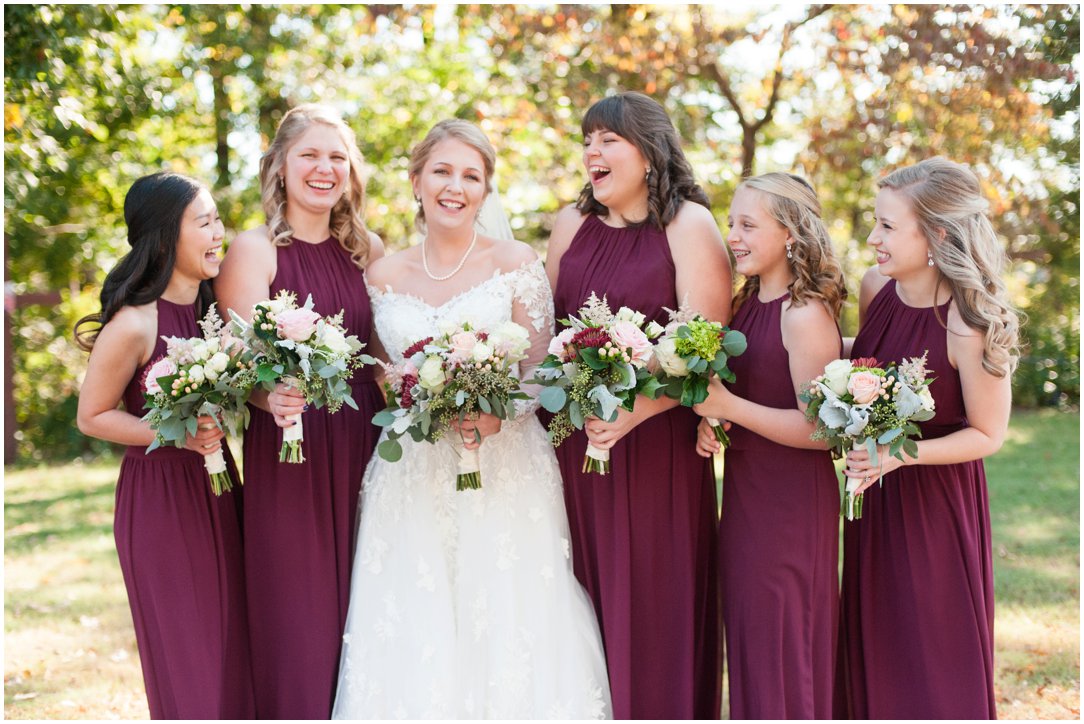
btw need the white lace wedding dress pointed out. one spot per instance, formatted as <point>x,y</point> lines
<point>464,604</point>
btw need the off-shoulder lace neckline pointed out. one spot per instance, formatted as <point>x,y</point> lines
<point>497,274</point>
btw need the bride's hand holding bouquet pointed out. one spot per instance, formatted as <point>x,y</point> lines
<point>462,380</point>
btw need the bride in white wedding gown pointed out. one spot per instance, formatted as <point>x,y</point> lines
<point>464,604</point>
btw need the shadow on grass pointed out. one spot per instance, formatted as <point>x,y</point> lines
<point>31,522</point>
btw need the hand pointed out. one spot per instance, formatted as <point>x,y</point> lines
<point>481,423</point>
<point>860,467</point>
<point>706,444</point>
<point>604,435</point>
<point>283,402</point>
<point>718,402</point>
<point>207,438</point>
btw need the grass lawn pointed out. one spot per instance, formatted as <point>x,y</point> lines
<point>69,649</point>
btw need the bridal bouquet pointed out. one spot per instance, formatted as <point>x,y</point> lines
<point>205,375</point>
<point>310,353</point>
<point>689,352</point>
<point>595,365</point>
<point>861,403</point>
<point>462,372</point>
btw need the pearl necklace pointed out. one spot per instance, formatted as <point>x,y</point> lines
<point>453,272</point>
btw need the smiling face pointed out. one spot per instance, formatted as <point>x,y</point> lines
<point>451,185</point>
<point>758,241</point>
<point>897,237</point>
<point>199,245</point>
<point>617,171</point>
<point>316,169</point>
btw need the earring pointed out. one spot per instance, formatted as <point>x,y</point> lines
<point>929,258</point>
<point>647,173</point>
<point>789,255</point>
<point>282,182</point>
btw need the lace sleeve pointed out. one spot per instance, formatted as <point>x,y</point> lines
<point>532,308</point>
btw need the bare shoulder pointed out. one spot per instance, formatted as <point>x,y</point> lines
<point>376,248</point>
<point>873,281</point>
<point>133,329</point>
<point>694,231</point>
<point>811,317</point>
<point>390,269</point>
<point>509,255</point>
<point>568,222</point>
<point>254,240</point>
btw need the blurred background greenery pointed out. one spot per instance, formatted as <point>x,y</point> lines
<point>98,95</point>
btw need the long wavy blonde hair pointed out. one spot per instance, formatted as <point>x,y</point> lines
<point>948,202</point>
<point>347,224</point>
<point>792,202</point>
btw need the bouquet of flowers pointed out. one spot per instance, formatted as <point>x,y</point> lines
<point>862,403</point>
<point>312,354</point>
<point>595,365</point>
<point>205,375</point>
<point>458,374</point>
<point>692,349</point>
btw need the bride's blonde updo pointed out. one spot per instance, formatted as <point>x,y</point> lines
<point>347,224</point>
<point>948,201</point>
<point>793,203</point>
<point>462,131</point>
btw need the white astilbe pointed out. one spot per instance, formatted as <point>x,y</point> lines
<point>596,311</point>
<point>913,370</point>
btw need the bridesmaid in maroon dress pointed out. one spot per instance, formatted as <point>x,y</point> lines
<point>918,590</point>
<point>779,532</point>
<point>179,545</point>
<point>300,519</point>
<point>644,536</point>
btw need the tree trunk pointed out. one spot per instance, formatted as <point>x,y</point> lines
<point>222,124</point>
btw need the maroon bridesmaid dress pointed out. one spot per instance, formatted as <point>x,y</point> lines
<point>917,618</point>
<point>779,545</point>
<point>180,552</point>
<point>300,519</point>
<point>644,537</point>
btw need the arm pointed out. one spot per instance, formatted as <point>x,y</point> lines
<point>987,405</point>
<point>703,278</point>
<point>811,339</point>
<point>123,345</point>
<point>243,280</point>
<point>565,227</point>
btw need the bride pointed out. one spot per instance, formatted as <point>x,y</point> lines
<point>464,604</point>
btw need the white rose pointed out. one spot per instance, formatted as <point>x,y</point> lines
<point>628,315</point>
<point>481,352</point>
<point>670,361</point>
<point>213,345</point>
<point>431,374</point>
<point>211,372</point>
<point>219,362</point>
<point>653,329</point>
<point>837,374</point>
<point>334,340</point>
<point>200,351</point>
<point>927,399</point>
<point>275,306</point>
<point>195,373</point>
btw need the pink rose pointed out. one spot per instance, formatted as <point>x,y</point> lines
<point>164,367</point>
<point>627,335</point>
<point>461,344</point>
<point>864,387</point>
<point>559,344</point>
<point>297,324</point>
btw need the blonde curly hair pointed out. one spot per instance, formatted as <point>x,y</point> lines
<point>792,202</point>
<point>347,224</point>
<point>951,210</point>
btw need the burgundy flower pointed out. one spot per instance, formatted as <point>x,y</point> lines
<point>590,337</point>
<point>869,362</point>
<point>416,348</point>
<point>407,384</point>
